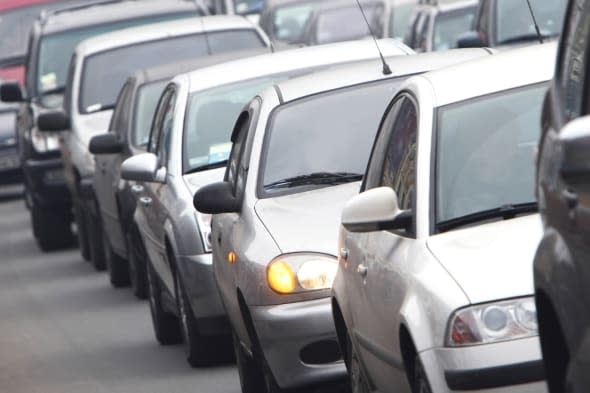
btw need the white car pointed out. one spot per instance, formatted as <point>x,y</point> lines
<point>434,291</point>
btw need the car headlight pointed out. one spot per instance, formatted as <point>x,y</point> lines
<point>204,222</point>
<point>293,273</point>
<point>493,322</point>
<point>43,142</point>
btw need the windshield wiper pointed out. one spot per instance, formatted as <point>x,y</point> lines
<point>505,212</point>
<point>213,165</point>
<point>526,38</point>
<point>331,178</point>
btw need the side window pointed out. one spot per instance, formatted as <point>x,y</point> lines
<point>235,169</point>
<point>67,103</point>
<point>121,110</point>
<point>422,38</point>
<point>482,22</point>
<point>158,119</point>
<point>165,133</point>
<point>399,165</point>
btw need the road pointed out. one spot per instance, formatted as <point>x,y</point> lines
<point>63,329</point>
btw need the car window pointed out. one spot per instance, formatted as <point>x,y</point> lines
<point>329,23</point>
<point>482,25</point>
<point>158,119</point>
<point>288,22</point>
<point>399,19</point>
<point>448,26</point>
<point>166,125</point>
<point>146,99</point>
<point>514,20</point>
<point>422,36</point>
<point>235,158</point>
<point>120,116</point>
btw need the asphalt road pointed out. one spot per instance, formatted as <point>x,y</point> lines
<point>63,329</point>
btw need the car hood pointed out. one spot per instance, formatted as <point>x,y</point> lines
<point>306,221</point>
<point>491,261</point>
<point>196,180</point>
<point>93,124</point>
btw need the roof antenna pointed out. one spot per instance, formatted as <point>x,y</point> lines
<point>386,69</point>
<point>535,22</point>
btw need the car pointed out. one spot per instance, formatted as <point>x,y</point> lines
<point>128,135</point>
<point>505,23</point>
<point>434,291</point>
<point>560,267</point>
<point>299,150</point>
<point>93,86</point>
<point>207,102</point>
<point>52,41</point>
<point>437,26</point>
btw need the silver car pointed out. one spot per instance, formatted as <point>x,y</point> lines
<point>188,148</point>
<point>434,290</point>
<point>299,151</point>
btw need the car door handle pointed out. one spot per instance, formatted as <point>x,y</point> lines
<point>145,201</point>
<point>362,270</point>
<point>136,188</point>
<point>570,198</point>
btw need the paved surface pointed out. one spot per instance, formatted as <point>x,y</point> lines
<point>63,329</point>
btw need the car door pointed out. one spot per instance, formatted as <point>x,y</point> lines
<point>381,271</point>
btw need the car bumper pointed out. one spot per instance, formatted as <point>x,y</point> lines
<point>204,297</point>
<point>46,183</point>
<point>507,367</point>
<point>299,342</point>
<point>10,168</point>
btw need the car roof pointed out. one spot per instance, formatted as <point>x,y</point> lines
<point>98,13</point>
<point>162,30</point>
<point>294,59</point>
<point>366,71</point>
<point>168,71</point>
<point>506,70</point>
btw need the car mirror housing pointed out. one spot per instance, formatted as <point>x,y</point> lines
<point>11,92</point>
<point>143,167</point>
<point>108,143</point>
<point>375,210</point>
<point>575,140</point>
<point>470,39</point>
<point>53,121</point>
<point>216,198</point>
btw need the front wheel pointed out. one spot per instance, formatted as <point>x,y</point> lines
<point>166,326</point>
<point>52,228</point>
<point>251,374</point>
<point>137,266</point>
<point>421,384</point>
<point>82,230</point>
<point>358,381</point>
<point>117,266</point>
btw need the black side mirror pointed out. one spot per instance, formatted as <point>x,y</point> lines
<point>11,92</point>
<point>216,198</point>
<point>108,143</point>
<point>470,39</point>
<point>53,121</point>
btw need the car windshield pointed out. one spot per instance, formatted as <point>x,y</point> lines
<point>244,7</point>
<point>14,28</point>
<point>400,19</point>
<point>210,119</point>
<point>104,73</point>
<point>515,23</point>
<point>55,50</point>
<point>145,106</point>
<point>331,21</point>
<point>448,26</point>
<point>325,138</point>
<point>289,21</point>
<point>485,152</point>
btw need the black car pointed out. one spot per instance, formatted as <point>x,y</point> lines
<point>128,135</point>
<point>52,41</point>
<point>561,268</point>
<point>509,23</point>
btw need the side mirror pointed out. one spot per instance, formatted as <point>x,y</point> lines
<point>143,167</point>
<point>52,121</point>
<point>108,143</point>
<point>375,210</point>
<point>470,39</point>
<point>11,92</point>
<point>575,141</point>
<point>216,198</point>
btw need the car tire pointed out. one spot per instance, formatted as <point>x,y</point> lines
<point>52,228</point>
<point>421,384</point>
<point>118,267</point>
<point>270,382</point>
<point>166,325</point>
<point>82,231</point>
<point>249,369</point>
<point>358,381</point>
<point>137,266</point>
<point>97,251</point>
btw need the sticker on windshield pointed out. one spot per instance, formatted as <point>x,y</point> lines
<point>219,152</point>
<point>49,81</point>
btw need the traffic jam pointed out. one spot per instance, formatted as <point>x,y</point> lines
<point>299,195</point>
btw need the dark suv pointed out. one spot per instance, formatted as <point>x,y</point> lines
<point>52,41</point>
<point>561,267</point>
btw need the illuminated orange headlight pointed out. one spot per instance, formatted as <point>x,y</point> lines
<point>281,277</point>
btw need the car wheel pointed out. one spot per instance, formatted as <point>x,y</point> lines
<point>95,241</point>
<point>117,266</point>
<point>82,230</point>
<point>166,326</point>
<point>358,382</point>
<point>52,229</point>
<point>270,382</point>
<point>137,270</point>
<point>421,384</point>
<point>251,374</point>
